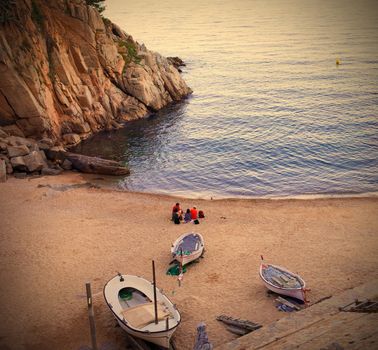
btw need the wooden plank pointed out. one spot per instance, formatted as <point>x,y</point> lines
<point>272,332</point>
<point>345,332</point>
<point>344,308</point>
<point>361,306</point>
<point>298,322</point>
<point>237,330</point>
<point>284,278</point>
<point>235,322</point>
<point>369,341</point>
<point>288,303</point>
<point>279,282</point>
<point>340,328</point>
<point>91,316</point>
<point>372,306</point>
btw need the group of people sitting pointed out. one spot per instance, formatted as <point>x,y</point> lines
<point>191,215</point>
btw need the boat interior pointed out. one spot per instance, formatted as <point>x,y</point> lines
<point>189,243</point>
<point>130,297</point>
<point>139,312</point>
<point>281,278</point>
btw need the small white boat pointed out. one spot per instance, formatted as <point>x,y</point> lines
<point>188,247</point>
<point>282,281</point>
<point>131,300</point>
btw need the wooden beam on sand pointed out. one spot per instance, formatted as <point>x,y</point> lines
<point>241,324</point>
<point>288,303</point>
<point>91,316</point>
<point>237,330</point>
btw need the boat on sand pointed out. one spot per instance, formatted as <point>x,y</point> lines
<point>132,302</point>
<point>188,247</point>
<point>282,281</point>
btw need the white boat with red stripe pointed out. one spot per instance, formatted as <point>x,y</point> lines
<point>282,281</point>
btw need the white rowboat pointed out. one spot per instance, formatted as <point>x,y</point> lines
<point>283,281</point>
<point>188,247</point>
<point>131,300</point>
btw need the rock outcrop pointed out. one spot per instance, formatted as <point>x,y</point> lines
<point>66,73</point>
<point>94,165</point>
<point>24,156</point>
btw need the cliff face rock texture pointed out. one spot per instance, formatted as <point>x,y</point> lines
<point>66,73</point>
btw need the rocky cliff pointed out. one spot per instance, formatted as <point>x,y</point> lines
<point>66,73</point>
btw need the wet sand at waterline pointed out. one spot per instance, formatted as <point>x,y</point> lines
<point>56,237</point>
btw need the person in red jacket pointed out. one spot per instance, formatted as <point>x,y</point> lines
<point>177,209</point>
<point>194,213</point>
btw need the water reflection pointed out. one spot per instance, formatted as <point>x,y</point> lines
<point>141,140</point>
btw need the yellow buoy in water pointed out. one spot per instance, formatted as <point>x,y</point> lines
<point>337,61</point>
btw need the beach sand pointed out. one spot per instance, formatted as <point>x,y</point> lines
<point>55,238</point>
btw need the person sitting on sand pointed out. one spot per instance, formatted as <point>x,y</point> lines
<point>177,211</point>
<point>174,213</point>
<point>188,216</point>
<point>176,218</point>
<point>177,208</point>
<point>194,213</point>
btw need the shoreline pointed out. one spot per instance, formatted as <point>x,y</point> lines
<point>103,181</point>
<point>312,196</point>
<point>58,233</point>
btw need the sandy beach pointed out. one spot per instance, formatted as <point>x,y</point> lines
<point>56,235</point>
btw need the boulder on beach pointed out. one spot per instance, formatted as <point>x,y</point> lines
<point>95,165</point>
<point>17,151</point>
<point>34,161</point>
<point>18,164</point>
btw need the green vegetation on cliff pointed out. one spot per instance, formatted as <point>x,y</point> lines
<point>128,50</point>
<point>98,4</point>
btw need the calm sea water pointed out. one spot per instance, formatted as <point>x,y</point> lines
<point>271,113</point>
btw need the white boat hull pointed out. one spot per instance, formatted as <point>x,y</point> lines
<point>156,333</point>
<point>297,293</point>
<point>189,258</point>
<point>185,259</point>
<point>163,339</point>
